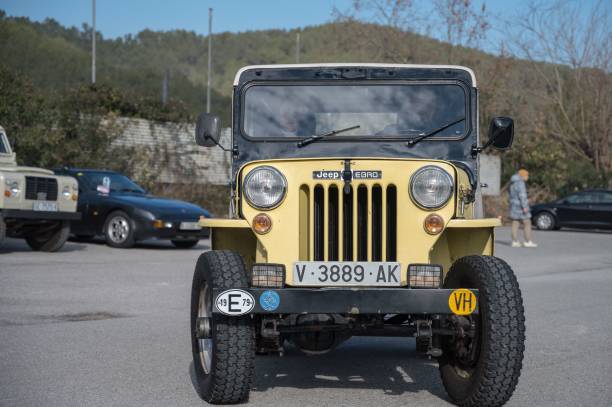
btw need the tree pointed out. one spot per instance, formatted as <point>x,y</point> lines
<point>576,43</point>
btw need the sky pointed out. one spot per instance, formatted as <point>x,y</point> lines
<point>116,18</point>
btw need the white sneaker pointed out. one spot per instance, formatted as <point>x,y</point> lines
<point>516,243</point>
<point>530,244</point>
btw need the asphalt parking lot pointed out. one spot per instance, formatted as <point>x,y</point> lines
<point>95,326</point>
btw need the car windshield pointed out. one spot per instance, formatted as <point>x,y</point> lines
<point>279,111</point>
<point>3,147</point>
<point>109,182</point>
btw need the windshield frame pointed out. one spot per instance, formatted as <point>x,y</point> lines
<point>4,142</point>
<point>468,128</point>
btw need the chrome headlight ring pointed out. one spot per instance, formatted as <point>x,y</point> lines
<point>431,187</point>
<point>264,187</point>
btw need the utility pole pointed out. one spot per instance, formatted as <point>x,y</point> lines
<point>210,13</point>
<point>165,87</point>
<point>93,42</point>
<point>297,48</point>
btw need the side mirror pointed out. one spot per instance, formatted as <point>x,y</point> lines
<point>207,130</point>
<point>501,133</point>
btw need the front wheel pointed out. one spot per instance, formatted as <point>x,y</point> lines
<point>49,240</point>
<point>223,347</point>
<point>119,230</point>
<point>482,368</point>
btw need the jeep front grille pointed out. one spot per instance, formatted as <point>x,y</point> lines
<point>360,225</point>
<point>39,188</point>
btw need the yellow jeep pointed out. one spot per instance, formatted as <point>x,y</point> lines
<point>353,212</point>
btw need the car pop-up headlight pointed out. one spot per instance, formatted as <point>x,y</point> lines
<point>264,187</point>
<point>431,187</point>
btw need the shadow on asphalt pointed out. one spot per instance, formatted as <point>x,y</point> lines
<point>384,365</point>
<point>19,246</point>
<point>148,244</point>
<point>599,231</point>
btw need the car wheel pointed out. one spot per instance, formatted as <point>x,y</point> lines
<point>185,244</point>
<point>223,347</point>
<point>119,230</point>
<point>482,367</point>
<point>51,240</point>
<point>545,221</point>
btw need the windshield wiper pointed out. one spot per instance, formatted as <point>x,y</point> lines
<point>433,132</point>
<point>318,137</point>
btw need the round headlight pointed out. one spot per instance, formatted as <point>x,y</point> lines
<point>264,187</point>
<point>66,192</point>
<point>13,187</point>
<point>431,187</point>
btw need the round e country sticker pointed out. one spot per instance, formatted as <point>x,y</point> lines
<point>462,301</point>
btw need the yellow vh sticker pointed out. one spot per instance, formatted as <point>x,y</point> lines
<point>462,302</point>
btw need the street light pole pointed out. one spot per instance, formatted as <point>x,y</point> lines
<point>297,48</point>
<point>93,42</point>
<point>210,13</point>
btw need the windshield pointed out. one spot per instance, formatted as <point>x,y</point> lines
<point>3,146</point>
<point>277,111</point>
<point>106,182</point>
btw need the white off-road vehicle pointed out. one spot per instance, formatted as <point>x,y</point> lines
<point>35,204</point>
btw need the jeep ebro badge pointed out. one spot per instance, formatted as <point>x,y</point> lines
<point>354,212</point>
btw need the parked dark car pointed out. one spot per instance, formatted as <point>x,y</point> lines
<point>116,207</point>
<point>586,209</point>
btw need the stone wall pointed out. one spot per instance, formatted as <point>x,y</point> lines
<point>173,154</point>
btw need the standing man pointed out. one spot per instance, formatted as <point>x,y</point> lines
<point>519,208</point>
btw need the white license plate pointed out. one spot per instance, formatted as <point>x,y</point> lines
<point>346,273</point>
<point>190,226</point>
<point>44,206</point>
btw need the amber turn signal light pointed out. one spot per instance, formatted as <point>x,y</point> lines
<point>7,194</point>
<point>262,223</point>
<point>433,224</point>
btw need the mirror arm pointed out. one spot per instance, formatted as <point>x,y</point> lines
<point>233,150</point>
<point>477,150</point>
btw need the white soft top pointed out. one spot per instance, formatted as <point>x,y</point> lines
<point>340,65</point>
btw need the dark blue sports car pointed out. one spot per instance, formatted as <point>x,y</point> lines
<point>116,207</point>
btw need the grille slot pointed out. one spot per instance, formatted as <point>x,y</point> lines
<point>333,223</point>
<point>360,225</point>
<point>391,226</point>
<point>347,223</point>
<point>319,228</point>
<point>41,185</point>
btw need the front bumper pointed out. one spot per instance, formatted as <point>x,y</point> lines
<point>145,230</point>
<point>351,301</point>
<point>38,215</point>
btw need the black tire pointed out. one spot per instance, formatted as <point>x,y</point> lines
<point>50,241</point>
<point>185,244</point>
<point>231,366</point>
<point>113,236</point>
<point>545,221</point>
<point>489,377</point>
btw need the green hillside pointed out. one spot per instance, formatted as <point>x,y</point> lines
<point>562,156</point>
<point>56,57</point>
